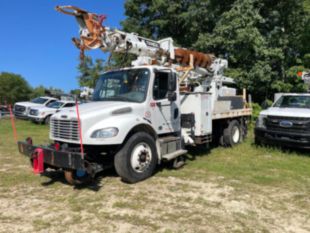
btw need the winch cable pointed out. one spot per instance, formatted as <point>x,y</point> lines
<point>79,127</point>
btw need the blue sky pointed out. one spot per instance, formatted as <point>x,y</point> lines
<point>35,39</point>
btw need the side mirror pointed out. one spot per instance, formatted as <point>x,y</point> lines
<point>172,96</point>
<point>172,82</point>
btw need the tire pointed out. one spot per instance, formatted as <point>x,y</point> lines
<point>257,141</point>
<point>137,159</point>
<point>47,120</point>
<point>232,135</point>
<point>178,162</point>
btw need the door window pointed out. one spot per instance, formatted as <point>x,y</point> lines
<point>160,88</point>
<point>68,105</point>
<point>51,101</point>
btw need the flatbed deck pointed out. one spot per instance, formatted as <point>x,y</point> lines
<point>232,113</point>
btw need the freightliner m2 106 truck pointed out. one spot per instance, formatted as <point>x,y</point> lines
<point>142,115</point>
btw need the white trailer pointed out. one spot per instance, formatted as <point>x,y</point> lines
<point>143,115</point>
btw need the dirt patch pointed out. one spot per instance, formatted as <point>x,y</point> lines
<point>162,204</point>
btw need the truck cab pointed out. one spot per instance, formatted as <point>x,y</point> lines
<point>122,100</point>
<point>286,122</point>
<point>133,110</point>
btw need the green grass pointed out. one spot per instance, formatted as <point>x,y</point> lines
<point>241,189</point>
<point>249,164</point>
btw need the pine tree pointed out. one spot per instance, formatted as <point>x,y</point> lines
<point>263,40</point>
<point>90,71</point>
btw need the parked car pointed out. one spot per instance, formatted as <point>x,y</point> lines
<point>286,122</point>
<point>4,111</point>
<point>22,109</point>
<point>42,114</point>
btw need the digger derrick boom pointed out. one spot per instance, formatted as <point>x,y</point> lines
<point>93,35</point>
<point>182,56</point>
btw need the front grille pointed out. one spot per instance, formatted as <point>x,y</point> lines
<point>19,108</point>
<point>299,124</point>
<point>65,129</point>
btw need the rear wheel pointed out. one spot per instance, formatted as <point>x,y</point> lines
<point>232,135</point>
<point>137,159</point>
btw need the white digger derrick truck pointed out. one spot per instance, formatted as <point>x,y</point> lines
<point>141,115</point>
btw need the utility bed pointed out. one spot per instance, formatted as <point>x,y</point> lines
<point>232,113</point>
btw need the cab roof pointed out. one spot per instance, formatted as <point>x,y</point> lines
<point>48,97</point>
<point>294,94</point>
<point>66,101</point>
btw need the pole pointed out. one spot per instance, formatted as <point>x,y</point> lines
<point>79,127</point>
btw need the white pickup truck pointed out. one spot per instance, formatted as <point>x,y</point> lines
<point>42,114</point>
<point>22,109</point>
<point>286,122</point>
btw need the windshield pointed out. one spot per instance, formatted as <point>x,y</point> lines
<point>290,101</point>
<point>39,100</point>
<point>56,104</point>
<point>125,85</point>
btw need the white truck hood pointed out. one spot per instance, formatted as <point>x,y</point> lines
<point>44,109</point>
<point>98,115</point>
<point>286,112</point>
<point>38,107</point>
<point>28,104</point>
<point>93,109</point>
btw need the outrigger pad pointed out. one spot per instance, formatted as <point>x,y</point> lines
<point>38,161</point>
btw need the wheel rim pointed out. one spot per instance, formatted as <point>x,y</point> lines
<point>141,157</point>
<point>236,134</point>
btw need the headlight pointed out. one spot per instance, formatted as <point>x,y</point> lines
<point>260,122</point>
<point>105,133</point>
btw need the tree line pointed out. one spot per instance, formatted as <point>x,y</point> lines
<point>266,42</point>
<point>14,88</point>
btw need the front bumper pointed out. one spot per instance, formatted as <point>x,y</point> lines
<point>53,158</point>
<point>21,115</point>
<point>35,119</point>
<point>287,139</point>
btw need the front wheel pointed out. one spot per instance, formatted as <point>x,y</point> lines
<point>137,159</point>
<point>47,120</point>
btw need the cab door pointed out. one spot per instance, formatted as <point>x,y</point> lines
<point>165,110</point>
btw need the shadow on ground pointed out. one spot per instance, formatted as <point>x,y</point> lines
<point>95,183</point>
<point>285,149</point>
